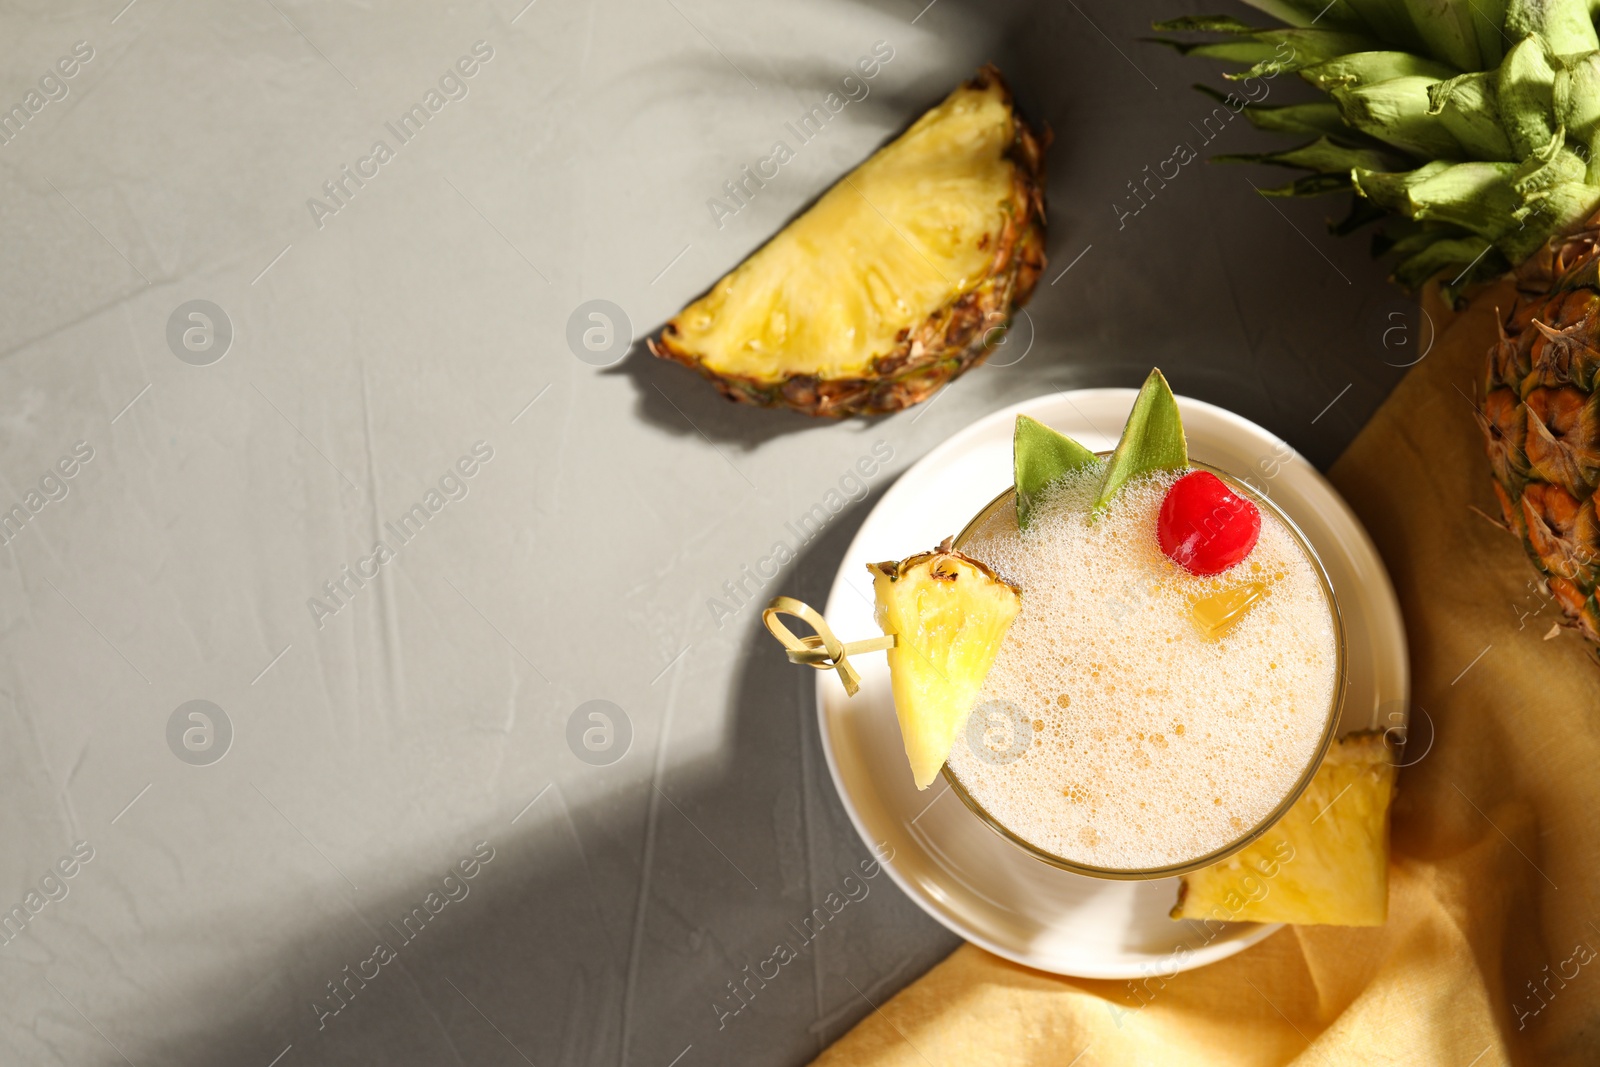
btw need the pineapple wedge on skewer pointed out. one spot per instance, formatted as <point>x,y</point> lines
<point>950,613</point>
<point>1326,861</point>
<point>896,280</point>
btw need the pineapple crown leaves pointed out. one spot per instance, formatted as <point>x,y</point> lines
<point>1476,122</point>
<point>1152,440</point>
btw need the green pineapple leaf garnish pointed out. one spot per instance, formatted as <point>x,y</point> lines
<point>1039,456</point>
<point>1152,440</point>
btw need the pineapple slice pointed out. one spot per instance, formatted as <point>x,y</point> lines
<point>1326,861</point>
<point>950,613</point>
<point>896,280</point>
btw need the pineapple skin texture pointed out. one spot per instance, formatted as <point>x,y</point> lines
<point>899,327</point>
<point>1325,862</point>
<point>1540,418</point>
<point>950,613</point>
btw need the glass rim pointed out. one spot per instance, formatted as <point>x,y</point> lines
<point>1329,730</point>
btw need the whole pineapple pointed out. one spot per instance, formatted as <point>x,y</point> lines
<point>1470,131</point>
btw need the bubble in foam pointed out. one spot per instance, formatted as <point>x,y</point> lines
<point>1147,716</point>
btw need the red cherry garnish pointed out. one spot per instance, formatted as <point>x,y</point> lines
<point>1204,526</point>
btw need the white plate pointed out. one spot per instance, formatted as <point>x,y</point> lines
<point>964,874</point>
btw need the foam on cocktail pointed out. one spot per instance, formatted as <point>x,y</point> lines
<point>1110,732</point>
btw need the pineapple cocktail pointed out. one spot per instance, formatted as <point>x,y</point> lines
<point>1132,666</point>
<point>1126,664</point>
<point>1144,713</point>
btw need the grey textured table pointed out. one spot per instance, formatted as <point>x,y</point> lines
<point>400,340</point>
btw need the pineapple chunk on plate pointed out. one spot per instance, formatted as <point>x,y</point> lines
<point>950,613</point>
<point>1326,861</point>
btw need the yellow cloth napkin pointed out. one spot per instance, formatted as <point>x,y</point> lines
<point>1491,954</point>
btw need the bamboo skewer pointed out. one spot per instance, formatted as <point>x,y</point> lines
<point>822,649</point>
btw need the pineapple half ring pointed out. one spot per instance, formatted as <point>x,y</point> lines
<point>822,650</point>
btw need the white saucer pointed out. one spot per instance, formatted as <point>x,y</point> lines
<point>964,874</point>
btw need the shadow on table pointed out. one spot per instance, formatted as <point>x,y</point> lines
<point>532,965</point>
<point>677,400</point>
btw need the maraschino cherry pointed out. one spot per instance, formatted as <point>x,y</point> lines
<point>1204,526</point>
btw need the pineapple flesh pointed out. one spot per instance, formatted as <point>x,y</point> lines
<point>1326,861</point>
<point>950,613</point>
<point>1480,152</point>
<point>896,280</point>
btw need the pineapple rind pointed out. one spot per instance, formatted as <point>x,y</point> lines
<point>912,346</point>
<point>1546,461</point>
<point>1325,862</point>
<point>950,613</point>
